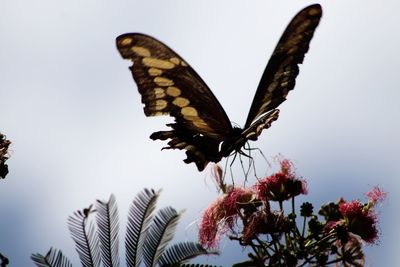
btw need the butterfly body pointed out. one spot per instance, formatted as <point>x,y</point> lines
<point>169,86</point>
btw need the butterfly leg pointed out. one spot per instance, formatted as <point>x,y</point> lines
<point>230,167</point>
<point>249,149</point>
<point>246,170</point>
<point>225,172</point>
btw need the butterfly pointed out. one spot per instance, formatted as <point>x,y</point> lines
<point>169,86</point>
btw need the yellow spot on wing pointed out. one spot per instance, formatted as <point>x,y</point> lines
<point>181,102</point>
<point>173,91</point>
<point>158,113</point>
<point>159,92</point>
<point>303,26</point>
<point>292,50</point>
<point>190,147</point>
<point>250,134</point>
<point>154,72</point>
<point>157,63</point>
<point>175,60</point>
<point>265,105</point>
<point>284,84</point>
<point>261,127</point>
<point>161,81</point>
<point>313,12</point>
<point>180,145</point>
<point>189,112</point>
<point>184,64</point>
<point>141,51</point>
<point>126,41</point>
<point>161,104</point>
<point>272,86</point>
<point>200,123</point>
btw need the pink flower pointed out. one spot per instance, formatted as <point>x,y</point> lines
<point>287,167</point>
<point>221,215</point>
<point>376,195</point>
<point>282,185</point>
<point>360,220</point>
<point>210,224</point>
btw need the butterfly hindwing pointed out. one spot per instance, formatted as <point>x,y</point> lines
<point>169,86</point>
<point>282,68</point>
<point>200,149</point>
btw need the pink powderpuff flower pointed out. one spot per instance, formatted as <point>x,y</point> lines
<point>281,186</point>
<point>360,220</point>
<point>376,195</point>
<point>287,167</point>
<point>210,227</point>
<point>220,216</point>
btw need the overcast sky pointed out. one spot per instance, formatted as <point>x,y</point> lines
<point>73,113</point>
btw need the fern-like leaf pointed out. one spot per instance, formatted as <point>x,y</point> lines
<point>182,252</point>
<point>161,231</point>
<point>139,218</point>
<point>53,258</point>
<point>85,237</point>
<point>108,227</point>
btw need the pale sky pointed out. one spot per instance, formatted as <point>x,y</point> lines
<point>73,113</point>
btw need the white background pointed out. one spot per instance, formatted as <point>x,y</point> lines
<point>73,113</point>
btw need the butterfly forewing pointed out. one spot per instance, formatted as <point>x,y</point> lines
<point>169,86</point>
<point>282,68</point>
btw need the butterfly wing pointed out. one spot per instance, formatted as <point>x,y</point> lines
<point>282,69</point>
<point>169,86</point>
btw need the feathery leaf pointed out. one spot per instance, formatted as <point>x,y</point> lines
<point>161,231</point>
<point>182,252</point>
<point>53,258</point>
<point>85,237</point>
<point>107,229</point>
<point>139,218</point>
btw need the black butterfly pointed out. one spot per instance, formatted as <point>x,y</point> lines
<point>169,86</point>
